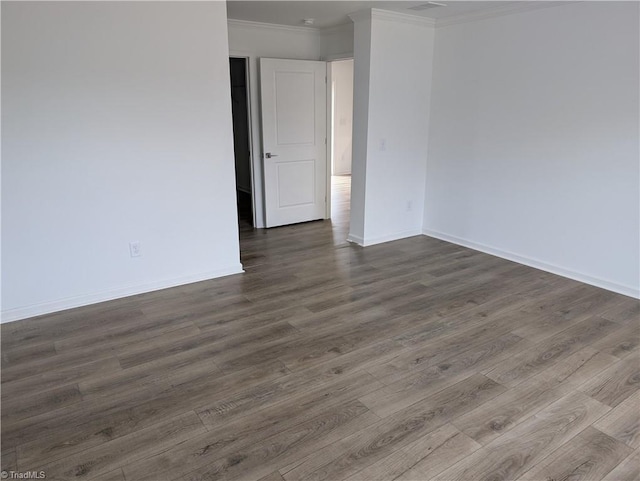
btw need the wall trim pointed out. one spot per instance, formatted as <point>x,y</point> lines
<point>337,56</point>
<point>111,294</point>
<point>538,264</point>
<point>370,241</point>
<point>498,11</point>
<point>342,28</point>
<point>273,26</point>
<point>355,239</point>
<point>389,16</point>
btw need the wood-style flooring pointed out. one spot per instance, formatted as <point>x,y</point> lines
<point>411,360</point>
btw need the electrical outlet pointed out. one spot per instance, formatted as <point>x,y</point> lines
<point>135,248</point>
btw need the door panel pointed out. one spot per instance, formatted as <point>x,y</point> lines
<point>294,140</point>
<point>298,176</point>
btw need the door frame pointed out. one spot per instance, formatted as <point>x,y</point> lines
<point>329,147</point>
<point>253,105</point>
<point>329,60</point>
<point>247,72</point>
<point>320,214</point>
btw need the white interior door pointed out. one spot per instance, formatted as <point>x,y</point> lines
<point>294,136</point>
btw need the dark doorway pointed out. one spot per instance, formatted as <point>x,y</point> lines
<point>241,139</point>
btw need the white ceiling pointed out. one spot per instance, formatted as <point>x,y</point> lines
<point>333,13</point>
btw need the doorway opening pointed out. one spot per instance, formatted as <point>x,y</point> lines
<point>238,68</point>
<point>341,126</point>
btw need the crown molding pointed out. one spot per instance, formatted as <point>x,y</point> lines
<point>360,15</point>
<point>499,11</point>
<point>343,27</point>
<point>389,16</point>
<point>273,26</point>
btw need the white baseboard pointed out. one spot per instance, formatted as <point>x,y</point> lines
<point>370,241</point>
<point>111,294</point>
<point>538,264</point>
<point>355,239</point>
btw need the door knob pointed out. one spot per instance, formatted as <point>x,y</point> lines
<point>268,155</point>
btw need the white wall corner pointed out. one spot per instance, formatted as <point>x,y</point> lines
<point>361,15</point>
<point>355,239</point>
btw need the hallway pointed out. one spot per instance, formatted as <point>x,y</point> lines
<point>263,246</point>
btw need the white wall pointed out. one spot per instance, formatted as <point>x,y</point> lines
<point>533,144</point>
<point>116,126</point>
<point>391,120</point>
<point>337,42</point>
<point>361,68</point>
<point>342,86</point>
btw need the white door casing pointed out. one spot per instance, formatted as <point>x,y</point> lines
<point>293,95</point>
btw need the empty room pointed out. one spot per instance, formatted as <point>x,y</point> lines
<point>320,240</point>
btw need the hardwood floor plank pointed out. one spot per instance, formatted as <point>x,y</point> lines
<point>9,460</point>
<point>627,470</point>
<point>454,449</point>
<point>12,355</point>
<point>58,362</point>
<point>620,343</point>
<point>120,337</point>
<point>227,444</point>
<point>406,391</point>
<point>115,475</point>
<point>512,454</point>
<point>615,384</point>
<point>491,420</point>
<point>215,344</point>
<point>291,391</point>
<point>625,311</point>
<point>427,456</point>
<point>53,378</point>
<point>275,476</point>
<point>589,457</point>
<point>360,309</point>
<point>441,347</point>
<point>575,301</point>
<point>153,375</point>
<point>258,315</point>
<point>298,442</point>
<point>16,408</point>
<point>121,451</point>
<point>545,353</point>
<point>356,452</point>
<point>316,350</point>
<point>623,421</point>
<point>51,327</point>
<point>95,422</point>
<point>436,324</point>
